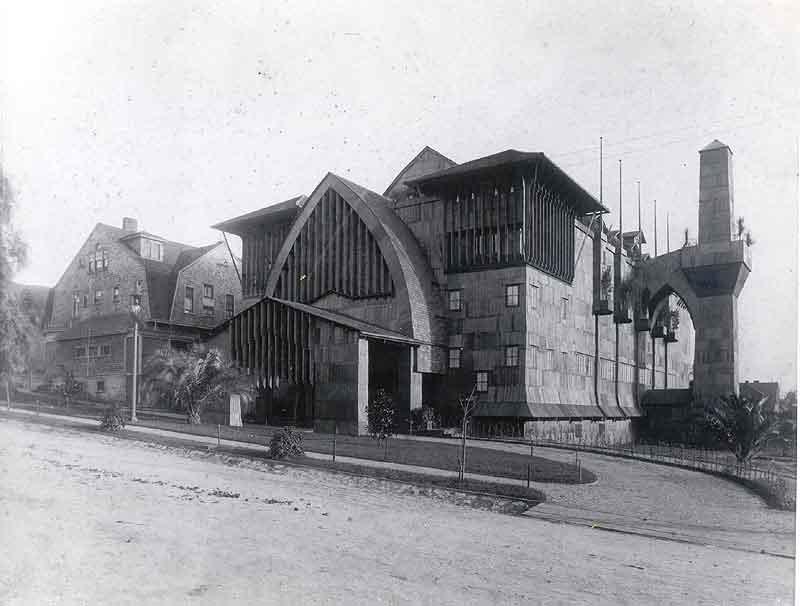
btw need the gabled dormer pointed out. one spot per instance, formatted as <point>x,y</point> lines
<point>146,245</point>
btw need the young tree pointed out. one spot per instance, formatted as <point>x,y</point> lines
<point>381,414</point>
<point>193,378</point>
<point>743,425</point>
<point>467,404</point>
<point>15,328</point>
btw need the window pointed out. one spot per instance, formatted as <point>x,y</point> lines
<point>76,299</point>
<point>101,387</point>
<point>454,300</point>
<point>86,301</point>
<point>103,260</point>
<point>208,299</point>
<point>512,355</point>
<point>104,350</point>
<point>535,294</point>
<point>152,249</point>
<point>136,300</point>
<point>138,287</point>
<point>564,308</point>
<point>188,300</point>
<point>512,295</point>
<point>115,294</point>
<point>482,381</point>
<point>98,297</point>
<point>92,262</point>
<point>228,306</point>
<point>454,358</point>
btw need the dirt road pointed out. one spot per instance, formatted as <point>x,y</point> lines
<point>91,519</point>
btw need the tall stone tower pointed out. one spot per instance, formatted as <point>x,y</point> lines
<point>716,193</point>
<point>716,269</point>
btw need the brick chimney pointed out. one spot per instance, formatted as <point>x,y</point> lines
<point>129,224</point>
<point>717,222</point>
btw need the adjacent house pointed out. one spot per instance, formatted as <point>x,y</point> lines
<point>120,276</point>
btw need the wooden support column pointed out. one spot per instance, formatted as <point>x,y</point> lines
<point>362,387</point>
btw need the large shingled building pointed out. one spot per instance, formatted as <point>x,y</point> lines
<point>495,275</point>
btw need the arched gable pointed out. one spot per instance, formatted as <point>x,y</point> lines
<point>348,241</point>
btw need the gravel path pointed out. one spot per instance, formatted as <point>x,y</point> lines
<point>88,518</point>
<point>669,501</point>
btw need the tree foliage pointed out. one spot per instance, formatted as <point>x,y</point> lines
<point>193,379</point>
<point>743,425</point>
<point>15,327</point>
<point>381,415</point>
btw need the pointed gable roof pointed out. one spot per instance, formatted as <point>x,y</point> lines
<point>428,160</point>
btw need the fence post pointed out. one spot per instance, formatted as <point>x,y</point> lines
<point>218,436</point>
<point>580,473</point>
<point>529,475</point>
<point>37,408</point>
<point>335,431</point>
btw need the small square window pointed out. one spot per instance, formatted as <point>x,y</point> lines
<point>454,358</point>
<point>512,295</point>
<point>482,381</point>
<point>454,300</point>
<point>512,355</point>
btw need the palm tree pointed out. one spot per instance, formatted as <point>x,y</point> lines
<point>193,379</point>
<point>743,425</point>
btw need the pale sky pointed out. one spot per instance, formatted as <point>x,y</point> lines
<point>183,114</point>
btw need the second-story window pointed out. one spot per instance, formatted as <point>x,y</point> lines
<point>482,381</point>
<point>208,291</point>
<point>98,297</point>
<point>454,300</point>
<point>229,303</point>
<point>512,295</point>
<point>115,294</point>
<point>188,300</point>
<point>512,355</point>
<point>76,299</point>
<point>454,358</point>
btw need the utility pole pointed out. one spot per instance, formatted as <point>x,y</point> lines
<point>655,229</point>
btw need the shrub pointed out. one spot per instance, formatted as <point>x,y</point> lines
<point>381,415</point>
<point>425,418</point>
<point>112,419</point>
<point>286,443</point>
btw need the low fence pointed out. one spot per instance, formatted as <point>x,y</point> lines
<point>763,474</point>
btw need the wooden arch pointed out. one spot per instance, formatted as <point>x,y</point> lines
<point>348,240</point>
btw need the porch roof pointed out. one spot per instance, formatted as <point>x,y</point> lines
<point>365,328</point>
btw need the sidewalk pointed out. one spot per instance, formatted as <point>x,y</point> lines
<point>263,450</point>
<point>629,496</point>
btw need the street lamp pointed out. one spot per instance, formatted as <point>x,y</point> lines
<point>135,310</point>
